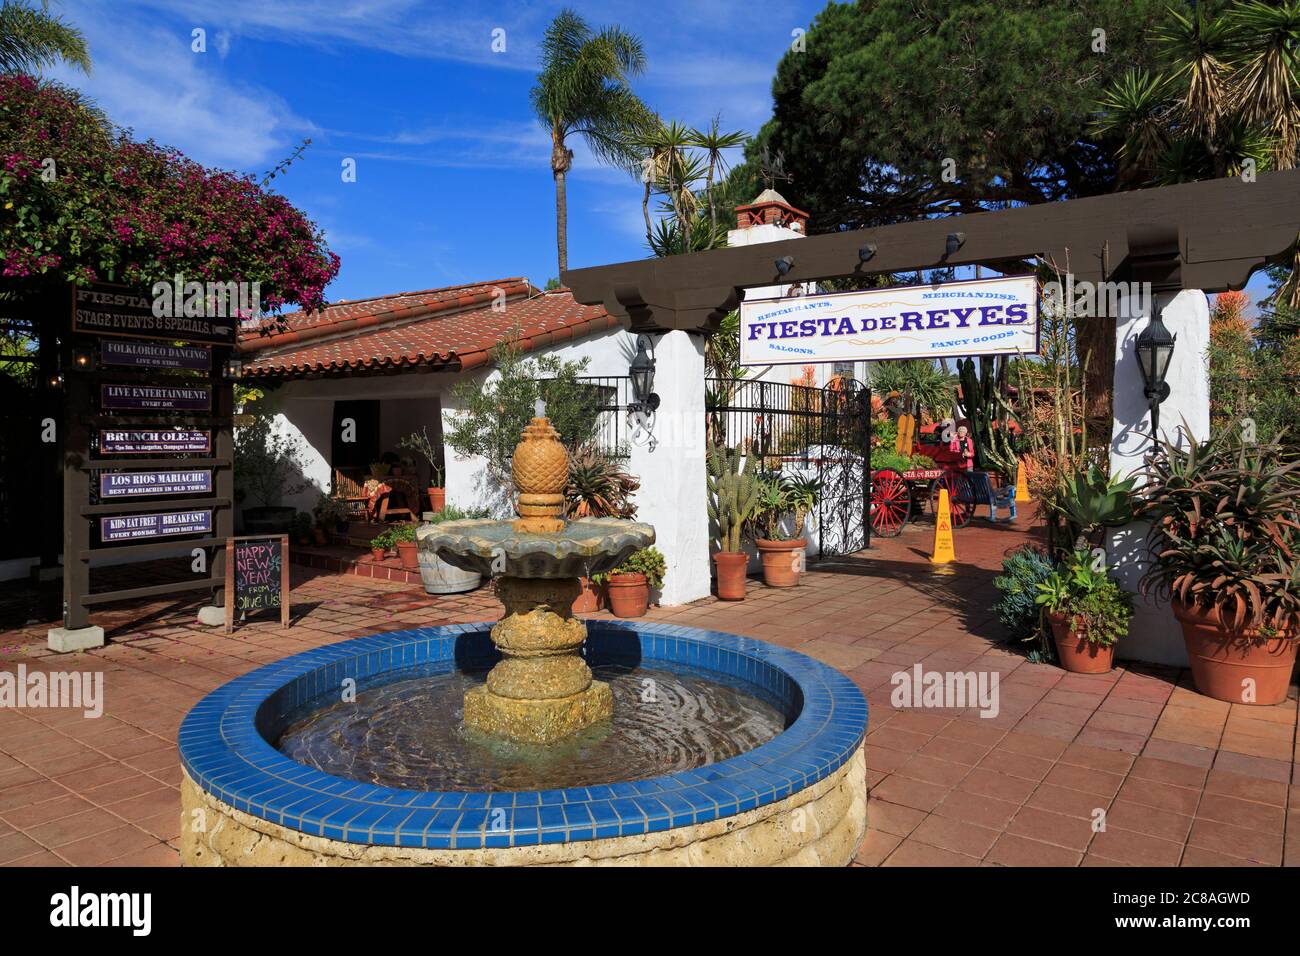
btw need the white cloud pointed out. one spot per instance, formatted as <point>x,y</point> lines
<point>146,78</point>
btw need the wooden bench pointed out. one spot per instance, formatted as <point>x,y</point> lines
<point>983,493</point>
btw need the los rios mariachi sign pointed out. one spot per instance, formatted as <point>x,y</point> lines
<point>946,320</point>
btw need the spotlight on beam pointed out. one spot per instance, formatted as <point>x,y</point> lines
<point>784,264</point>
<point>955,241</point>
<point>866,252</point>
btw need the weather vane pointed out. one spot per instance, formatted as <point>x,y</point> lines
<point>772,168</point>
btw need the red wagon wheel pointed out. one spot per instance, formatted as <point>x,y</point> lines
<point>891,503</point>
<point>961,496</point>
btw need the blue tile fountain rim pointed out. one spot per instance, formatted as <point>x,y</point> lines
<point>226,754</point>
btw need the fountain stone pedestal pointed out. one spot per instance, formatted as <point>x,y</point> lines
<point>542,688</point>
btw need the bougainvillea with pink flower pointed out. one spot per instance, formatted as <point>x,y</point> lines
<point>81,201</point>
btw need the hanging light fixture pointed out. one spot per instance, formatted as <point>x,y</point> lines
<point>642,374</point>
<point>1155,350</point>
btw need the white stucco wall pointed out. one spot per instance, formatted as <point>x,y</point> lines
<point>1154,634</point>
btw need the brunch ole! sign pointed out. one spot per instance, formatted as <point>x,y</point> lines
<point>951,319</point>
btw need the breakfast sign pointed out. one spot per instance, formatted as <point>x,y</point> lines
<point>945,320</point>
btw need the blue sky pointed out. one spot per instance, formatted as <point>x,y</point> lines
<point>453,175</point>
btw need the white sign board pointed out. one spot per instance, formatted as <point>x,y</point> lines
<point>952,319</point>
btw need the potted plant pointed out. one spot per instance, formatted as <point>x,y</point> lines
<point>403,538</point>
<point>301,529</point>
<point>331,515</point>
<point>733,496</point>
<point>597,487</point>
<point>419,443</point>
<point>782,500</point>
<point>1225,540</point>
<point>629,584</point>
<point>269,467</point>
<point>440,577</point>
<point>1087,612</point>
<point>379,545</point>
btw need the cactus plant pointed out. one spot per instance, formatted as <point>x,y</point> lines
<point>733,494</point>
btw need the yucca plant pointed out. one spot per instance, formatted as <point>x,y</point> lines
<point>598,487</point>
<point>1225,531</point>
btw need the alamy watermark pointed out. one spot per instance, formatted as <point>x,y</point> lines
<point>1097,299</point>
<point>74,689</point>
<point>954,689</point>
<point>208,300</point>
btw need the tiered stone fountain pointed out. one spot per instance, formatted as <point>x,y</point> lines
<point>741,753</point>
<point>542,689</point>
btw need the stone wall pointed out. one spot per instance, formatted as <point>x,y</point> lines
<point>822,825</point>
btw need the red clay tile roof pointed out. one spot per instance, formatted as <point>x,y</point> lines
<point>452,328</point>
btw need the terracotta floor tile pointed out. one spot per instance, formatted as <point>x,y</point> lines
<point>914,853</point>
<point>1135,849</point>
<point>1136,817</point>
<point>944,773</point>
<point>1163,796</point>
<point>1083,778</point>
<point>1168,771</point>
<point>955,835</point>
<point>1071,832</point>
<point>892,817</point>
<point>910,793</point>
<point>1070,803</point>
<point>1095,758</point>
<point>1016,765</point>
<point>106,846</point>
<point>876,846</point>
<point>1198,856</point>
<point>1046,748</point>
<point>1013,850</point>
<point>1237,841</point>
<point>1242,813</point>
<point>79,826</point>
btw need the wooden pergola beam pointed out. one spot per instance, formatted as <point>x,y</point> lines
<point>1209,235</point>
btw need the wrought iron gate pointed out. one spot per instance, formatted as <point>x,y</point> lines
<point>823,433</point>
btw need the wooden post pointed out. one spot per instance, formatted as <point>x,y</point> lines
<point>284,580</point>
<point>76,491</point>
<point>228,555</point>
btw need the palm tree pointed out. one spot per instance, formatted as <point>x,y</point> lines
<point>583,89</point>
<point>713,141</point>
<point>31,39</point>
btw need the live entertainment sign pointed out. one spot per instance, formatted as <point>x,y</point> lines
<point>945,320</point>
<point>142,441</point>
<point>156,398</point>
<point>128,484</point>
<point>103,309</point>
<point>134,527</point>
<point>131,354</point>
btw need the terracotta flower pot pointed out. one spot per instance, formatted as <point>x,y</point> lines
<point>437,499</point>
<point>1223,660</point>
<point>408,552</point>
<point>782,561</point>
<point>377,554</point>
<point>590,599</point>
<point>629,594</point>
<point>731,574</point>
<point>1078,654</point>
<point>319,537</point>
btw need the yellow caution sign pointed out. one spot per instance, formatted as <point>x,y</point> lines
<point>943,552</point>
<point>1022,483</point>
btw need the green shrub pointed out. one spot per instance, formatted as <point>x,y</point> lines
<point>647,561</point>
<point>1022,571</point>
<point>1080,591</point>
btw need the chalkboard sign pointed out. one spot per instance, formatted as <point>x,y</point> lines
<point>257,577</point>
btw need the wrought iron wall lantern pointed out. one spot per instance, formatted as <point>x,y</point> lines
<point>1155,350</point>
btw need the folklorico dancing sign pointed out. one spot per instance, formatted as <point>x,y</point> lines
<point>946,320</point>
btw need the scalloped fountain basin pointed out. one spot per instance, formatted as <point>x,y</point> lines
<point>585,547</point>
<point>787,786</point>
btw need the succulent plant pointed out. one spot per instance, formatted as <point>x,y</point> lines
<point>1225,530</point>
<point>733,494</point>
<point>1091,500</point>
<point>597,486</point>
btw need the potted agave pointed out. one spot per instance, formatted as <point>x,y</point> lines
<point>733,500</point>
<point>781,501</point>
<point>629,584</point>
<point>1087,611</point>
<point>1225,542</point>
<point>597,487</point>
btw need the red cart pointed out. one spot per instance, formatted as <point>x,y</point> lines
<point>896,496</point>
